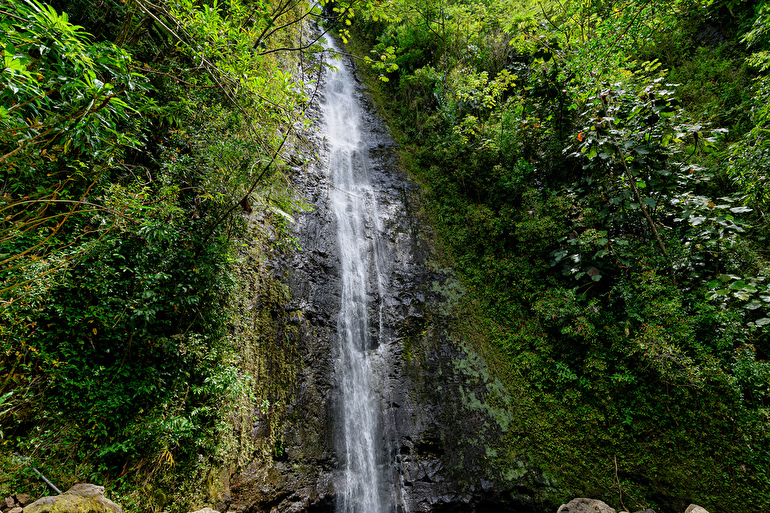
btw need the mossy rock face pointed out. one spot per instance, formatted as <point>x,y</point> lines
<point>443,414</point>
<point>81,498</point>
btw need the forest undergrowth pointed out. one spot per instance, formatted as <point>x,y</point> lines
<point>144,150</point>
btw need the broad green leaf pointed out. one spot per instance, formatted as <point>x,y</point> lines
<point>742,295</point>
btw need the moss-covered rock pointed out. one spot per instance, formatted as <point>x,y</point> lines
<point>81,498</point>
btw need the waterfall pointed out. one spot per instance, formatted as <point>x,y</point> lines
<point>352,201</point>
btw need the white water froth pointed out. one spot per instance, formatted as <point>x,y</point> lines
<point>352,200</point>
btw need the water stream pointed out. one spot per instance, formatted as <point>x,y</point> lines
<point>352,201</point>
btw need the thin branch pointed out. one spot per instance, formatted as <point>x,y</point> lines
<point>617,481</point>
<point>300,48</point>
<point>62,264</point>
<point>155,72</point>
<point>56,230</point>
<point>265,169</point>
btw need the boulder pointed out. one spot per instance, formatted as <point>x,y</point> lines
<point>17,509</point>
<point>206,510</point>
<point>583,505</point>
<point>694,508</point>
<point>81,498</point>
<point>22,499</point>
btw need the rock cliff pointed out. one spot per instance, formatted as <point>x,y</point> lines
<point>438,425</point>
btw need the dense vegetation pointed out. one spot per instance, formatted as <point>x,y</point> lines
<point>132,137</point>
<point>598,175</point>
<point>597,172</point>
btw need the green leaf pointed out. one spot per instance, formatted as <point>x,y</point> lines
<point>742,295</point>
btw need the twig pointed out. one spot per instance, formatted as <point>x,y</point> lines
<point>617,481</point>
<point>49,483</point>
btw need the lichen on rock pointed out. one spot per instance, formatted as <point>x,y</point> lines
<point>81,498</point>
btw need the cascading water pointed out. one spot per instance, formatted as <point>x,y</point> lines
<point>352,201</point>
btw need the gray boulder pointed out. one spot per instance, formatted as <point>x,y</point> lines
<point>81,498</point>
<point>583,505</point>
<point>694,508</point>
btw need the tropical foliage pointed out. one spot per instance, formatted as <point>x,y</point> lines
<point>596,170</point>
<point>130,144</point>
<point>609,214</point>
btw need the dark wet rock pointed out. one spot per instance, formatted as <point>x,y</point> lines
<point>435,428</point>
